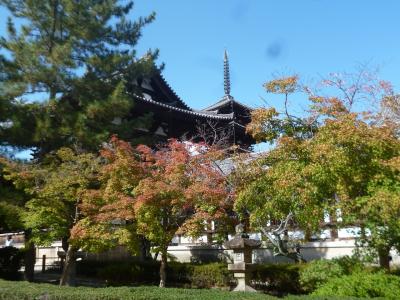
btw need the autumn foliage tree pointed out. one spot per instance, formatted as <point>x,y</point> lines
<point>108,218</point>
<point>344,162</point>
<point>155,194</point>
<point>180,195</point>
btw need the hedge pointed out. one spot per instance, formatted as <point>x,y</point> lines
<point>147,272</point>
<point>278,279</point>
<point>362,285</point>
<point>318,272</point>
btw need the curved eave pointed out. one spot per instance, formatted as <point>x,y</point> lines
<point>166,85</point>
<point>186,111</point>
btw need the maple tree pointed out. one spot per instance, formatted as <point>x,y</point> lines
<point>379,212</point>
<point>390,111</point>
<point>181,193</point>
<point>154,193</point>
<point>340,163</point>
<point>56,188</point>
<point>268,124</point>
<point>108,217</point>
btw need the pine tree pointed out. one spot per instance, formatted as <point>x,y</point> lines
<point>59,38</point>
<point>76,57</point>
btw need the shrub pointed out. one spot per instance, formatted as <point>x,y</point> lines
<point>10,262</point>
<point>362,285</point>
<point>279,279</point>
<point>179,274</point>
<point>211,275</point>
<point>350,264</point>
<point>121,272</point>
<point>318,272</point>
<point>147,272</point>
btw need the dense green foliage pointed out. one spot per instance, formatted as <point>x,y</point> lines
<point>211,275</point>
<point>146,272</point>
<point>318,272</point>
<point>277,279</point>
<point>57,187</point>
<point>362,285</point>
<point>12,200</point>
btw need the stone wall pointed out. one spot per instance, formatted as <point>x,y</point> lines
<point>188,250</point>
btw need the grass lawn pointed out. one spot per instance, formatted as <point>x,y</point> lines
<point>11,290</point>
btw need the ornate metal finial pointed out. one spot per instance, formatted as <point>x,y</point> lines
<point>227,80</point>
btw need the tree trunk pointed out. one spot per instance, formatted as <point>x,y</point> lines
<point>145,247</point>
<point>384,258</point>
<point>64,244</point>
<point>307,235</point>
<point>69,270</point>
<point>29,257</point>
<point>163,266</point>
<point>52,93</point>
<point>333,221</point>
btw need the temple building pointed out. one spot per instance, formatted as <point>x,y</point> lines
<point>173,118</point>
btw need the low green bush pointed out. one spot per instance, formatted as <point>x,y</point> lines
<point>123,273</point>
<point>179,274</point>
<point>362,285</point>
<point>279,279</point>
<point>318,272</point>
<point>147,272</point>
<point>211,275</point>
<point>116,273</point>
<point>351,264</point>
<point>11,260</point>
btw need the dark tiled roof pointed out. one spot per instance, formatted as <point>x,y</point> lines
<point>179,100</point>
<point>203,114</point>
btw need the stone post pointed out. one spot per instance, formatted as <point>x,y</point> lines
<point>242,248</point>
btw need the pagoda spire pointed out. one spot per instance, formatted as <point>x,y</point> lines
<point>227,80</point>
